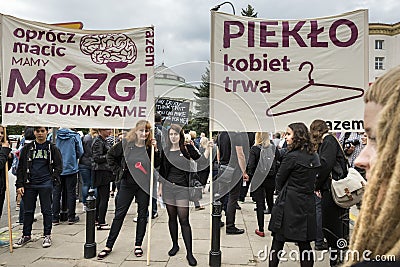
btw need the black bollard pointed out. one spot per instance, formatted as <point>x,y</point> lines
<point>64,209</point>
<point>90,245</point>
<point>215,252</point>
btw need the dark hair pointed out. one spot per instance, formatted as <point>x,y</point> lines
<point>36,128</point>
<point>301,137</point>
<point>182,147</point>
<point>317,129</point>
<point>278,135</point>
<point>28,133</point>
<point>157,117</point>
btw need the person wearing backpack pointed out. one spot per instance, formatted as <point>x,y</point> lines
<point>262,168</point>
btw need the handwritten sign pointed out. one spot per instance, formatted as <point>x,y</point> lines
<point>173,111</point>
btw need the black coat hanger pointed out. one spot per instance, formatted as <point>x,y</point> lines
<point>311,82</point>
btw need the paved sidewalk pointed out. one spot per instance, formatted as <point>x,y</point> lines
<point>68,242</point>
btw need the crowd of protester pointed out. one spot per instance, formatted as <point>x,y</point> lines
<point>296,166</point>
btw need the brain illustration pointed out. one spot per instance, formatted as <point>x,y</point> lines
<point>114,50</point>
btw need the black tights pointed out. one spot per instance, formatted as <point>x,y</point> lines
<point>181,211</point>
<point>306,259</point>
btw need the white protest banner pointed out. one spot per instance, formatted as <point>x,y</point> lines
<point>266,74</point>
<point>54,76</point>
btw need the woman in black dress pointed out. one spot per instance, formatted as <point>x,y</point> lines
<point>175,169</point>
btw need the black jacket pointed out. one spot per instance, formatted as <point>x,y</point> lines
<point>99,154</point>
<point>295,214</point>
<point>331,157</point>
<point>252,170</point>
<point>86,158</point>
<point>25,163</point>
<point>4,152</point>
<point>117,162</point>
<point>165,165</point>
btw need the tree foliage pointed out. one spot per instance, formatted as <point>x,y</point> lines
<point>249,12</point>
<point>200,122</point>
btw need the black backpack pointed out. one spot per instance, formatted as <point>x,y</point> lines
<point>268,163</point>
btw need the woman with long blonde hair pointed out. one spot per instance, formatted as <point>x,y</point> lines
<point>377,228</point>
<point>130,158</point>
<point>262,182</point>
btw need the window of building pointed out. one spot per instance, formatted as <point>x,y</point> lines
<point>379,63</point>
<point>378,44</point>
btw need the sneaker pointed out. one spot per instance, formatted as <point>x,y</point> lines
<point>199,208</point>
<point>56,222</point>
<point>17,208</point>
<point>135,219</point>
<point>73,220</point>
<point>22,241</point>
<point>46,241</point>
<point>3,243</point>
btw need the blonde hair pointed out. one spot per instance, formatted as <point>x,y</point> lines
<point>131,135</point>
<point>204,142</point>
<point>378,225</point>
<point>193,134</point>
<point>262,138</point>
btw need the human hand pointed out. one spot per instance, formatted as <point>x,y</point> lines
<point>318,194</point>
<point>154,144</point>
<point>20,191</point>
<point>246,177</point>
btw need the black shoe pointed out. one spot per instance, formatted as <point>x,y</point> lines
<point>323,246</point>
<point>234,231</point>
<point>173,250</point>
<point>73,220</point>
<point>221,224</point>
<point>191,260</point>
<point>238,207</point>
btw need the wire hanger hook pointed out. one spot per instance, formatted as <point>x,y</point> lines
<point>311,69</point>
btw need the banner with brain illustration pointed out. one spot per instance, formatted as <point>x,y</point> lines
<point>55,76</point>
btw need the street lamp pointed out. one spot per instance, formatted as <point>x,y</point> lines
<point>218,6</point>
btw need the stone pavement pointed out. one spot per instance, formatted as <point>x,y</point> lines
<point>68,242</point>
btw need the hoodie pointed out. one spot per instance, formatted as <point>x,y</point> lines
<point>70,145</point>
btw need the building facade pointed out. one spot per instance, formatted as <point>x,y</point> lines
<point>384,48</point>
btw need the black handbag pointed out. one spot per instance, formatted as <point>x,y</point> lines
<point>195,188</point>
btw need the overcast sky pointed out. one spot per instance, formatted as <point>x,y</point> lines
<point>183,26</point>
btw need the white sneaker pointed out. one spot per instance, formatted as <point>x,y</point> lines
<point>135,219</point>
<point>46,241</point>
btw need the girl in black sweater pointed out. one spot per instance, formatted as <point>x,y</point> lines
<point>175,169</point>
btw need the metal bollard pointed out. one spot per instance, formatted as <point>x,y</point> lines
<point>64,209</point>
<point>215,252</point>
<point>90,245</point>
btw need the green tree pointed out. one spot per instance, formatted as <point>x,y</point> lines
<point>202,95</point>
<point>249,12</point>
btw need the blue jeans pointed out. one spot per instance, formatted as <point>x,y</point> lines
<point>68,185</point>
<point>29,198</point>
<point>87,181</point>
